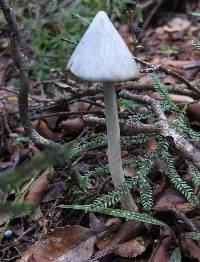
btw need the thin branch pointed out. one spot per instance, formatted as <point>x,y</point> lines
<point>17,93</point>
<point>184,146</point>
<point>169,71</point>
<point>21,62</point>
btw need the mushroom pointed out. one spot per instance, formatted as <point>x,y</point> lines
<point>102,56</point>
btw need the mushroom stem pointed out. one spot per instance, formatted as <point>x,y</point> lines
<point>114,145</point>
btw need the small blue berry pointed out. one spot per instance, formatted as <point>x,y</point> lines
<point>8,233</point>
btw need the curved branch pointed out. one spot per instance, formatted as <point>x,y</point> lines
<point>20,60</point>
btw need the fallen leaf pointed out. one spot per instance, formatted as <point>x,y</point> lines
<point>171,198</point>
<point>161,252</point>
<point>175,63</point>
<point>108,243</point>
<point>38,188</point>
<point>131,248</point>
<point>190,248</point>
<point>177,24</point>
<point>181,99</point>
<point>66,244</point>
<point>42,127</point>
<point>72,126</point>
<point>193,112</point>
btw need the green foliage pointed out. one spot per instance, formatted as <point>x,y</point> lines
<point>124,103</point>
<point>25,174</point>
<point>17,138</point>
<point>195,172</point>
<point>163,92</point>
<point>100,140</point>
<point>191,235</point>
<point>146,193</point>
<point>115,195</point>
<point>142,217</point>
<point>186,131</point>
<point>12,209</point>
<point>170,170</point>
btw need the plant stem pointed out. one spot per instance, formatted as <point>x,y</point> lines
<point>114,145</point>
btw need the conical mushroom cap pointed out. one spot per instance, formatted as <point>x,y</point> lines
<point>102,55</point>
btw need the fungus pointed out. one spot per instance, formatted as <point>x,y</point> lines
<point>102,56</point>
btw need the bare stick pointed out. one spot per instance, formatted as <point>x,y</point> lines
<point>21,62</point>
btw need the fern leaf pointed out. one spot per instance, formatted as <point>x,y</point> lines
<point>163,92</point>
<point>146,193</point>
<point>170,171</point>
<point>196,173</point>
<point>104,169</point>
<point>94,142</point>
<point>115,195</point>
<point>142,217</point>
<point>191,235</point>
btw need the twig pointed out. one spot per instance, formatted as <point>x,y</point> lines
<point>69,41</point>
<point>17,93</point>
<point>186,220</point>
<point>184,146</point>
<point>169,71</point>
<point>128,126</point>
<point>21,62</point>
<point>151,14</point>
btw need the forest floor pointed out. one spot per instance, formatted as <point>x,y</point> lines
<point>51,233</point>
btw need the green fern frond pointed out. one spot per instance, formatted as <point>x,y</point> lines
<point>196,173</point>
<point>170,171</point>
<point>188,132</point>
<point>104,169</point>
<point>146,193</point>
<point>196,44</point>
<point>124,103</point>
<point>142,116</point>
<point>163,92</point>
<point>142,217</point>
<point>94,142</point>
<point>115,195</point>
<point>191,235</point>
<point>101,140</point>
<point>136,140</point>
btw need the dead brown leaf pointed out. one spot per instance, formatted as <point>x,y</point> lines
<point>170,198</point>
<point>191,248</point>
<point>193,111</point>
<point>44,130</point>
<point>131,248</point>
<point>161,252</point>
<point>72,126</point>
<point>64,244</point>
<point>177,24</point>
<point>38,188</point>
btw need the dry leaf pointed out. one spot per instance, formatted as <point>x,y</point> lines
<point>62,245</point>
<point>177,24</point>
<point>73,126</point>
<point>38,188</point>
<point>131,248</point>
<point>161,253</point>
<point>191,248</point>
